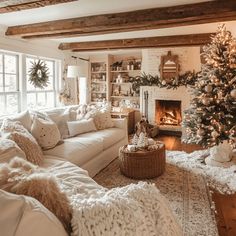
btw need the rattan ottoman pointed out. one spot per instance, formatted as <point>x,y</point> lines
<point>142,164</point>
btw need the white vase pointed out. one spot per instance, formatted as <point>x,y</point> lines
<point>222,152</point>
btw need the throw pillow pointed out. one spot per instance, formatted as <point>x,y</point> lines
<point>103,120</point>
<point>24,118</point>
<point>81,126</point>
<point>46,133</point>
<point>9,149</point>
<point>15,131</point>
<point>29,146</point>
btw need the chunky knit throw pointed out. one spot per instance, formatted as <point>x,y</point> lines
<point>136,209</point>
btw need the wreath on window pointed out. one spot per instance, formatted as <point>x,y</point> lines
<point>38,74</point>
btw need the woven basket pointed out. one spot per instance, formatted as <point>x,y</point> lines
<point>142,164</point>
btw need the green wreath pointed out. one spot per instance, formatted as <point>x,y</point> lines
<point>38,74</point>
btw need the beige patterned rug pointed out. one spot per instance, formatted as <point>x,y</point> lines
<point>187,194</point>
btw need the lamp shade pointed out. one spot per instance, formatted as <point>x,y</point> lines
<point>72,71</point>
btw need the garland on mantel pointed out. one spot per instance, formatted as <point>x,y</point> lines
<point>188,78</point>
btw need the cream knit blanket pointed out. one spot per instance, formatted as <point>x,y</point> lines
<point>136,209</point>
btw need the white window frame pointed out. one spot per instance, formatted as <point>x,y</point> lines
<point>17,92</point>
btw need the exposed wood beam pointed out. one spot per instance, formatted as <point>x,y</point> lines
<point>205,12</point>
<point>163,41</point>
<point>13,5</point>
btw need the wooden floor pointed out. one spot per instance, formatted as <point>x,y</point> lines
<point>225,204</point>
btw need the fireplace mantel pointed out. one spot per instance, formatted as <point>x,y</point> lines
<point>155,93</point>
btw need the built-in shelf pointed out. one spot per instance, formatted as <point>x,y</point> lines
<point>127,97</point>
<point>121,83</point>
<point>98,82</point>
<point>124,71</point>
<point>97,72</point>
<point>97,92</point>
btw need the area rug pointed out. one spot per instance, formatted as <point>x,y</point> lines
<point>186,191</point>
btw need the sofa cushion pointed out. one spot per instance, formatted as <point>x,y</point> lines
<point>25,216</point>
<point>24,118</point>
<point>9,149</point>
<point>77,150</point>
<point>81,126</point>
<point>109,136</point>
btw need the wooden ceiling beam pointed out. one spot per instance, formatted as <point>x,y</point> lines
<point>155,18</point>
<point>162,41</point>
<point>13,5</point>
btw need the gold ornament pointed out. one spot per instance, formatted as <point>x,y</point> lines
<point>206,101</point>
<point>233,93</point>
<point>214,134</point>
<point>208,88</point>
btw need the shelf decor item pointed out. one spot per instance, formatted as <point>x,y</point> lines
<point>38,74</point>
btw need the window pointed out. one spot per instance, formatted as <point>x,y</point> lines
<point>41,98</point>
<point>9,83</point>
<point>16,92</point>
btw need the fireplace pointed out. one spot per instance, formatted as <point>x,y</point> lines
<point>168,113</point>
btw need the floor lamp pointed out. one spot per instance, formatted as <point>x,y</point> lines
<point>73,72</point>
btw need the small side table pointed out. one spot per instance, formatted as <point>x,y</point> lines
<point>130,118</point>
<point>142,164</point>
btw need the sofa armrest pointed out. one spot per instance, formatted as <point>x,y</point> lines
<point>120,123</point>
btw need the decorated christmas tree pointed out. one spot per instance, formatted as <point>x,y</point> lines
<point>211,118</point>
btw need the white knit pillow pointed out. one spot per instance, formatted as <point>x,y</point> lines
<point>81,126</point>
<point>45,132</point>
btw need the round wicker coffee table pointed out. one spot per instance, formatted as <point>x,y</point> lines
<point>142,164</point>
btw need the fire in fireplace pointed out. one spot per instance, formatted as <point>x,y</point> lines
<point>168,112</point>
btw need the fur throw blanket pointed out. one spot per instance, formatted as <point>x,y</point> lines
<point>136,209</point>
<point>22,177</point>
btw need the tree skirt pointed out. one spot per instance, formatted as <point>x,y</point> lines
<point>186,191</point>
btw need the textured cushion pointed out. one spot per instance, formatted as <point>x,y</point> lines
<point>24,118</point>
<point>103,120</point>
<point>77,150</point>
<point>29,146</point>
<point>25,216</point>
<point>81,126</point>
<point>109,136</point>
<point>27,143</point>
<point>9,149</point>
<point>45,132</point>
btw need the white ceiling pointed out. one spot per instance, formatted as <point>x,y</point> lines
<point>94,7</point>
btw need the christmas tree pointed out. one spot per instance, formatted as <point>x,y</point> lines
<point>211,118</point>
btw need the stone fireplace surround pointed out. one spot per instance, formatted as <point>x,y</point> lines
<point>155,93</point>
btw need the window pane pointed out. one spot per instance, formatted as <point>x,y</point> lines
<point>1,63</point>
<point>10,64</point>
<point>31,100</point>
<point>50,84</point>
<point>12,103</point>
<point>2,105</point>
<point>50,100</point>
<point>29,62</point>
<point>10,83</point>
<point>41,100</point>
<point>30,87</point>
<point>1,83</point>
<point>50,67</point>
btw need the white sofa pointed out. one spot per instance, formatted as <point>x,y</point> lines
<point>91,151</point>
<point>94,150</point>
